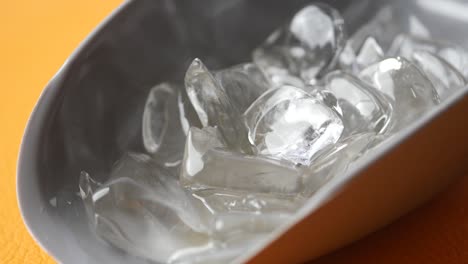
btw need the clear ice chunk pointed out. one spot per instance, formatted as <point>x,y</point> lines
<point>406,45</point>
<point>335,161</point>
<point>370,53</point>
<point>363,108</point>
<point>207,165</point>
<point>219,201</point>
<point>232,211</point>
<point>214,108</point>
<point>290,124</point>
<point>198,142</point>
<point>457,57</point>
<point>347,58</point>
<point>386,25</point>
<point>279,77</point>
<point>327,98</point>
<point>156,117</point>
<point>382,27</point>
<point>442,74</point>
<point>243,84</point>
<point>142,210</point>
<point>307,46</point>
<point>162,131</point>
<point>409,91</point>
<point>226,252</point>
<point>417,28</point>
<point>188,115</point>
<point>236,171</point>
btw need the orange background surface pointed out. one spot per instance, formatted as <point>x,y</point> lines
<point>37,36</point>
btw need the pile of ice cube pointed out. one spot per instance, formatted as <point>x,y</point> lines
<point>260,138</point>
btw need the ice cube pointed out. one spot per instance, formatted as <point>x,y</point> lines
<point>334,161</point>
<point>142,210</point>
<point>243,84</point>
<point>406,46</point>
<point>457,57</point>
<point>363,108</point>
<point>279,77</point>
<point>198,142</point>
<point>188,115</point>
<point>417,28</point>
<point>232,211</point>
<point>443,75</point>
<point>222,252</point>
<point>347,58</point>
<point>383,27</point>
<point>163,135</point>
<point>156,117</point>
<point>327,98</point>
<point>288,123</point>
<point>206,165</point>
<point>214,108</point>
<point>370,53</point>
<point>307,46</point>
<point>386,25</point>
<point>218,200</point>
<point>222,169</point>
<point>409,91</point>
<point>230,223</point>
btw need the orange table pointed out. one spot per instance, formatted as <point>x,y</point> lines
<point>436,233</point>
<point>37,36</point>
<point>35,39</point>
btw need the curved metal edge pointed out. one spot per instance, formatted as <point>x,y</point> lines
<point>38,113</point>
<point>336,185</point>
